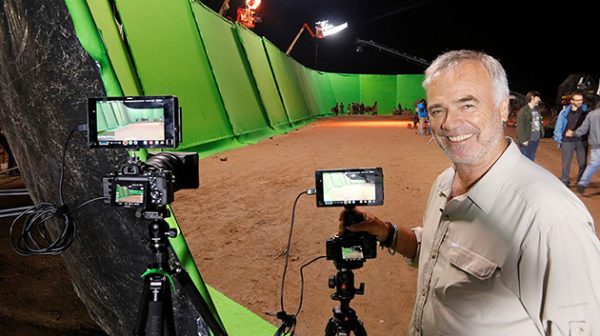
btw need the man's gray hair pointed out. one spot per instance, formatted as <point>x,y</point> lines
<point>452,59</point>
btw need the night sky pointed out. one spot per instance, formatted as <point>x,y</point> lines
<point>539,43</point>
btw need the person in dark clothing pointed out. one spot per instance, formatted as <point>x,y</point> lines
<point>570,118</point>
<point>529,125</point>
<point>591,127</point>
<point>11,159</point>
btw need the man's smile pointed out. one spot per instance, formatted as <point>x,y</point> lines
<point>458,138</point>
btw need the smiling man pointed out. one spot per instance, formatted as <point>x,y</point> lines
<point>504,248</point>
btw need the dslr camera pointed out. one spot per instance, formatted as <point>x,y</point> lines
<point>135,123</point>
<point>348,188</point>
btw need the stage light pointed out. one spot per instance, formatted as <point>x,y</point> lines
<point>322,29</point>
<point>247,15</point>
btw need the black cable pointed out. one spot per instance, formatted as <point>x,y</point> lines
<point>302,281</point>
<point>34,237</point>
<point>287,251</point>
<point>288,325</point>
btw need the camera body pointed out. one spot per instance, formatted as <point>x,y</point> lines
<point>351,249</point>
<point>137,185</point>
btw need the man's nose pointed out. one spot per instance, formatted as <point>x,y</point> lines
<point>452,120</point>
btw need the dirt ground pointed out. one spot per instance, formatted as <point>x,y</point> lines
<point>237,224</point>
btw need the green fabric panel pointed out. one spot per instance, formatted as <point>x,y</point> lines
<point>380,89</point>
<point>346,88</point>
<point>232,73</point>
<point>170,58</point>
<point>263,76</point>
<point>308,88</point>
<point>239,320</point>
<point>90,39</point>
<point>119,57</point>
<point>288,84</point>
<point>409,89</point>
<point>325,91</point>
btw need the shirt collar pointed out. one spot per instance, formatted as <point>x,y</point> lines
<point>484,192</point>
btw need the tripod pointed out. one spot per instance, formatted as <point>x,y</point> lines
<point>344,320</point>
<point>155,314</point>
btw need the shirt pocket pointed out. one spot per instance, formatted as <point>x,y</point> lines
<point>466,272</point>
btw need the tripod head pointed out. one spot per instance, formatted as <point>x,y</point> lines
<point>344,320</point>
<point>343,282</point>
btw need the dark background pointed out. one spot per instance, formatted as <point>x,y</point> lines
<point>539,43</point>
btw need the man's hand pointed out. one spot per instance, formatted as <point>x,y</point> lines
<point>370,224</point>
<point>569,133</point>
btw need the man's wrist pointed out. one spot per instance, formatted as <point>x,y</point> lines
<point>389,239</point>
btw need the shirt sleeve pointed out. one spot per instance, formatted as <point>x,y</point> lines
<point>584,128</point>
<point>559,279</point>
<point>414,262</point>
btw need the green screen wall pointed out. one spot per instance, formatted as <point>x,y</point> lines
<point>346,88</point>
<point>380,89</point>
<point>288,82</point>
<point>233,75</point>
<point>264,79</point>
<point>409,90</point>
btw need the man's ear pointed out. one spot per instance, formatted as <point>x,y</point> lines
<point>504,110</point>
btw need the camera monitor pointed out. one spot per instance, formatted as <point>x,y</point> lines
<point>130,192</point>
<point>342,187</point>
<point>134,122</point>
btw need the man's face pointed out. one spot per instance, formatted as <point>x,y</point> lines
<point>465,120</point>
<point>536,101</point>
<point>577,100</point>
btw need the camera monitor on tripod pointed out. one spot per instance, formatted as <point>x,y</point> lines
<point>134,122</point>
<point>347,187</point>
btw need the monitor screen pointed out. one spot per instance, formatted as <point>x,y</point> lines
<point>349,187</point>
<point>136,122</point>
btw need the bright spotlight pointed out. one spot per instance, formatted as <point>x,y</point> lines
<point>324,28</point>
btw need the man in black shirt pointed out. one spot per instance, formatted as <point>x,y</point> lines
<point>570,118</point>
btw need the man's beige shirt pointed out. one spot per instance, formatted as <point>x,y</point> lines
<point>515,255</point>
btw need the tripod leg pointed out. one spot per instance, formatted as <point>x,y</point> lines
<point>331,328</point>
<point>169,319</point>
<point>155,323</point>
<point>156,309</point>
<point>359,329</point>
<point>140,326</point>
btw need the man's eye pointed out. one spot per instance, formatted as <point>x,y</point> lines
<point>436,112</point>
<point>468,107</point>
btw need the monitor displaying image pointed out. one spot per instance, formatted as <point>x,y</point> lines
<point>350,187</point>
<point>133,122</point>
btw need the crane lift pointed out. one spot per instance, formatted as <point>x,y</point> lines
<point>360,44</point>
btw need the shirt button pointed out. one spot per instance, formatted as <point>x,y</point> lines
<point>423,291</point>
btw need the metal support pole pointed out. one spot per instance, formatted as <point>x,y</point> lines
<point>294,41</point>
